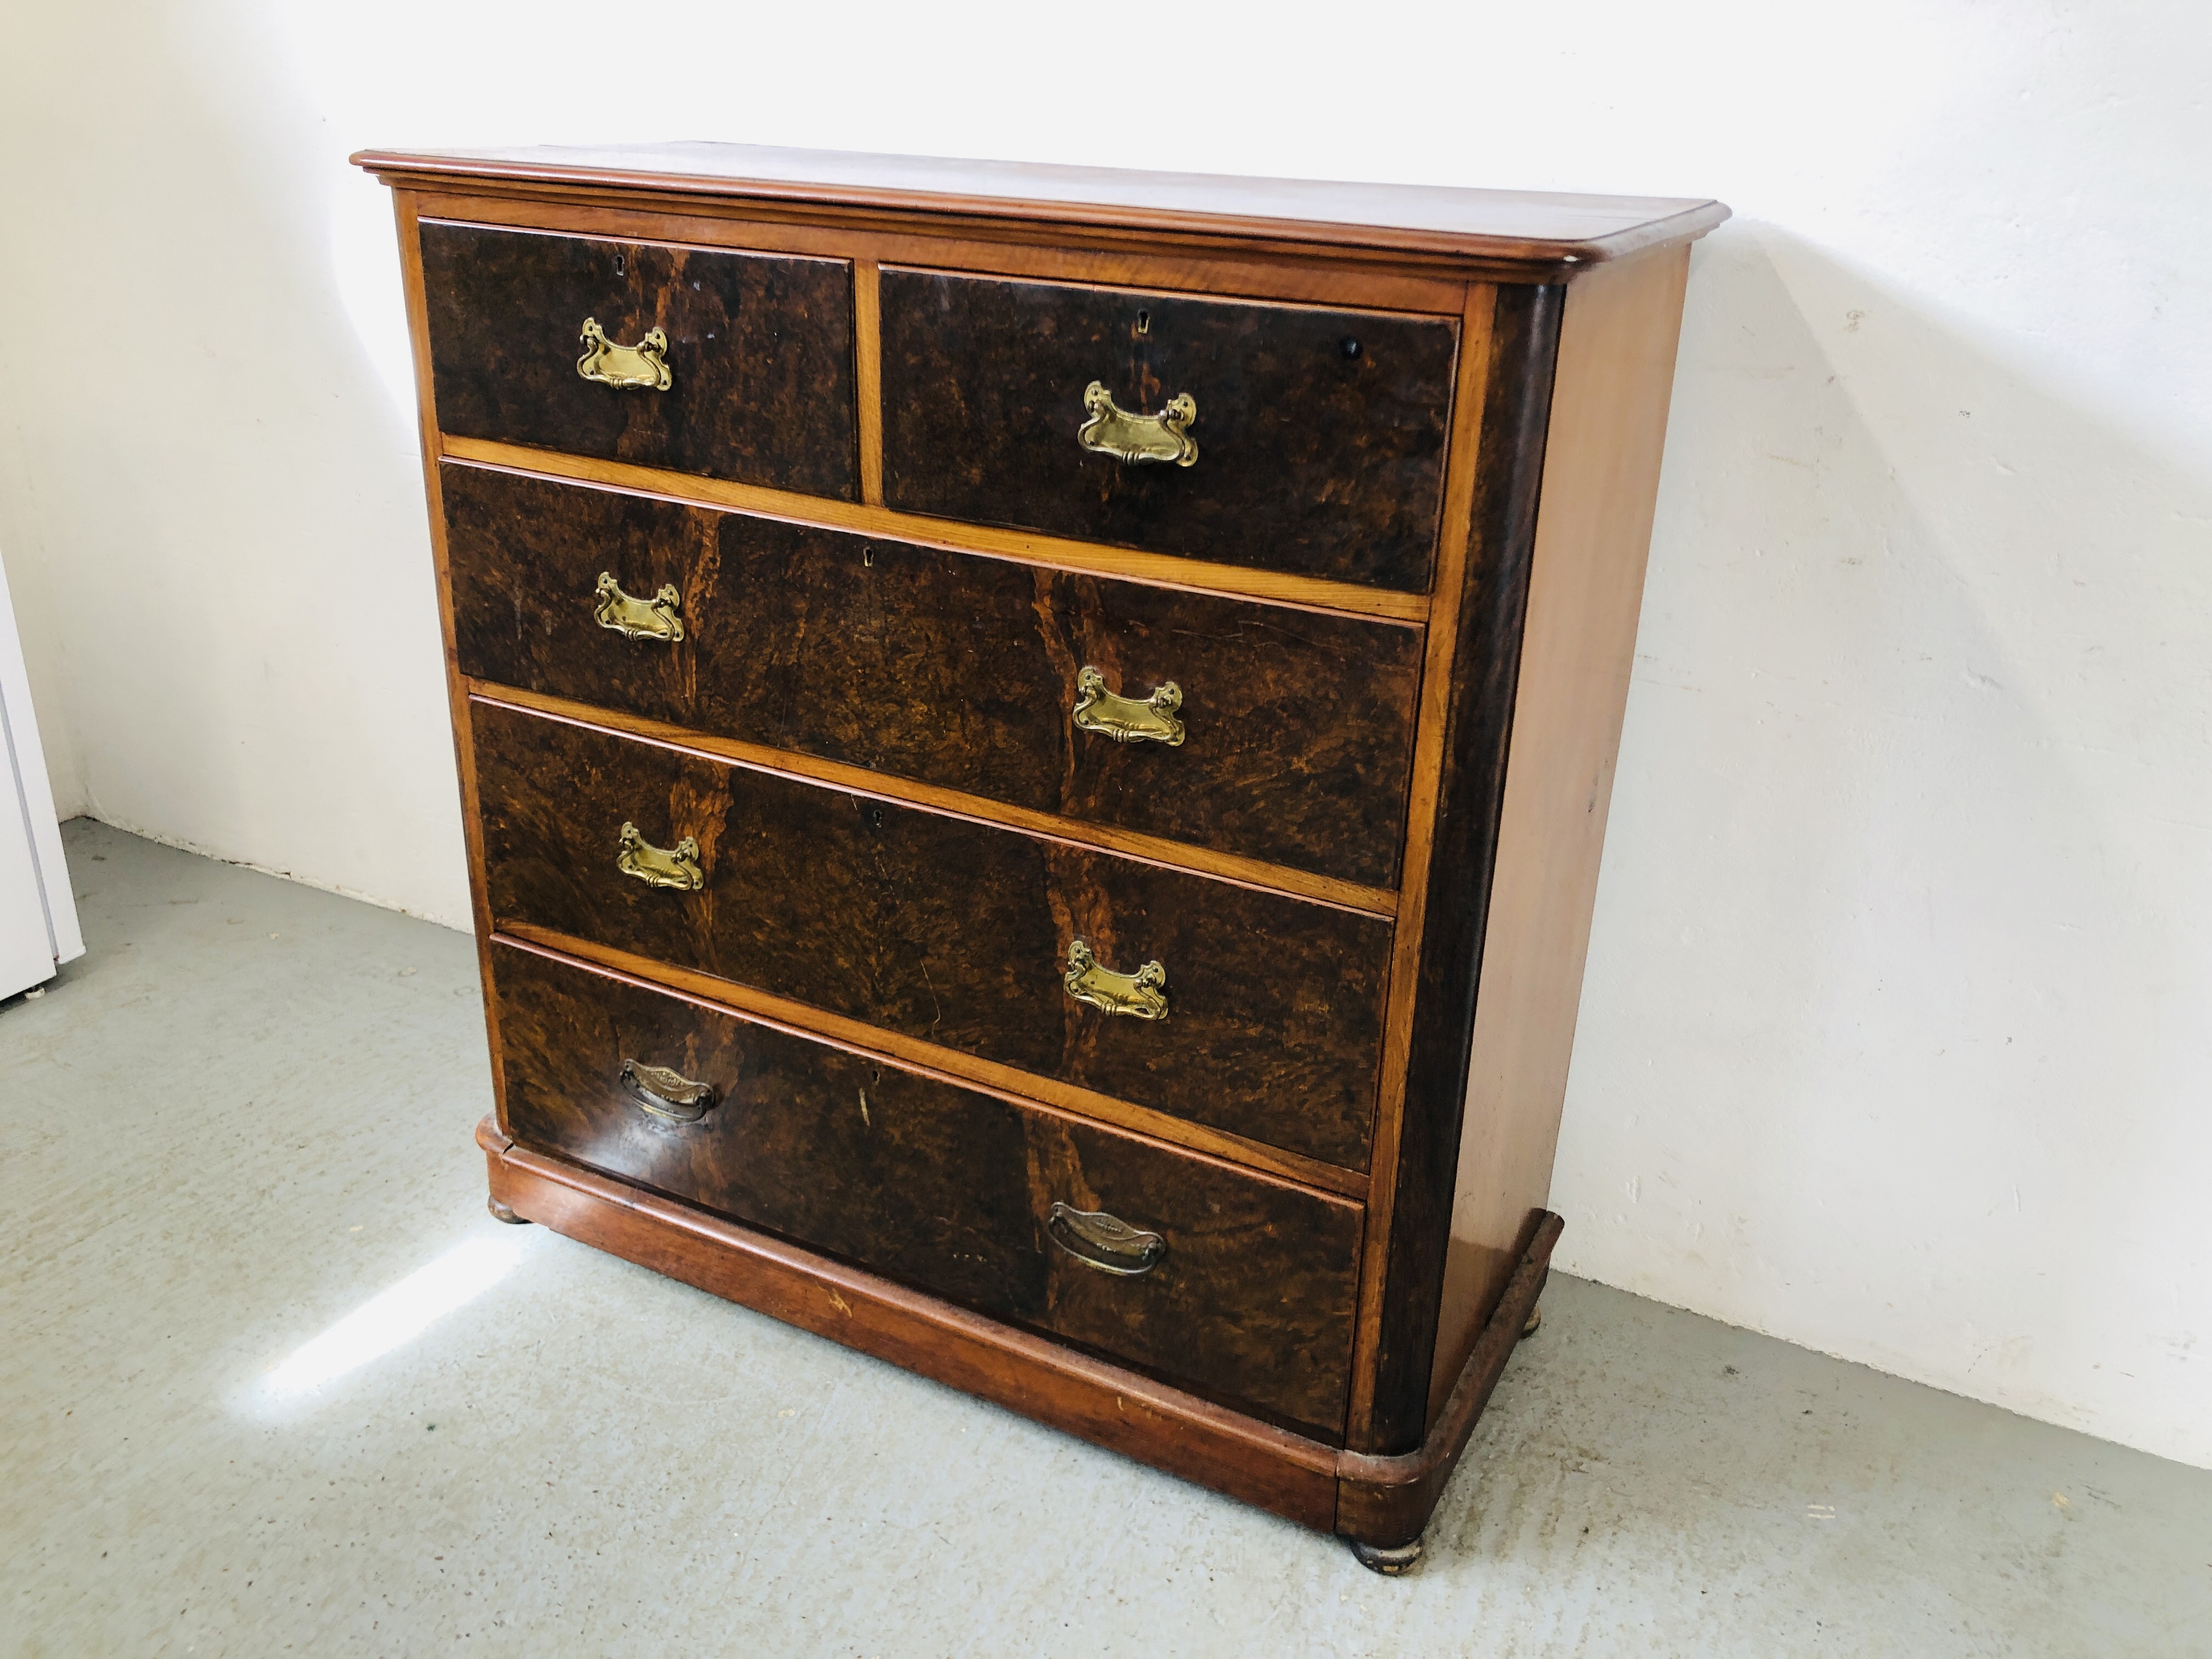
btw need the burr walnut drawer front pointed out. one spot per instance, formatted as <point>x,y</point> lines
<point>1234,1283</point>
<point>1305,439</point>
<point>732,365</point>
<point>1278,734</point>
<point>1253,1012</point>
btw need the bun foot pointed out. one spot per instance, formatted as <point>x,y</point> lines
<point>501,1212</point>
<point>1535,1318</point>
<point>1395,1562</point>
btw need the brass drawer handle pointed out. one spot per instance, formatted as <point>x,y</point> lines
<point>1125,720</point>
<point>1161,437</point>
<point>1141,995</point>
<point>643,367</point>
<point>678,867</point>
<point>669,1095</point>
<point>640,619</point>
<point>1104,1241</point>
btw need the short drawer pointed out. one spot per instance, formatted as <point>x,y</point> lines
<point>954,932</point>
<point>1290,740</point>
<point>1239,1287</point>
<point>738,366</point>
<point>1318,433</point>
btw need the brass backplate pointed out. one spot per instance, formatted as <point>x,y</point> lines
<point>1104,1241</point>
<point>1112,430</point>
<point>640,619</point>
<point>1125,720</point>
<point>640,368</point>
<point>669,1095</point>
<point>1141,995</point>
<point>677,867</point>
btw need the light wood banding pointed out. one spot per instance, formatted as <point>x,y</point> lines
<point>1159,569</point>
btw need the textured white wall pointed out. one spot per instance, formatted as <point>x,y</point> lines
<point>1895,1041</point>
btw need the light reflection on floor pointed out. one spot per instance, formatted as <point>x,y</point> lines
<point>396,1316</point>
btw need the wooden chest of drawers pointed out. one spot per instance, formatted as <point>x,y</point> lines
<point>1035,745</point>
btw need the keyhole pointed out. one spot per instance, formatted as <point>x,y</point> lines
<point>1144,322</point>
<point>622,263</point>
<point>1349,347</point>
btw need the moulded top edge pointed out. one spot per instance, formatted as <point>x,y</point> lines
<point>1532,227</point>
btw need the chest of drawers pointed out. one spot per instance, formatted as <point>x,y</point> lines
<point>1035,745</point>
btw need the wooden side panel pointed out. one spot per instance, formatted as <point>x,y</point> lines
<point>1320,432</point>
<point>946,930</point>
<point>1616,374</point>
<point>760,352</point>
<point>1106,1404</point>
<point>944,1188</point>
<point>1467,789</point>
<point>407,218</point>
<point>948,669</point>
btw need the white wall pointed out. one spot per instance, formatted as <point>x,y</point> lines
<point>1895,1042</point>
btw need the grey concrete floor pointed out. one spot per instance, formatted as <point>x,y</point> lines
<point>272,1382</point>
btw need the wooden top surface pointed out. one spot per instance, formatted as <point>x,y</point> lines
<point>1507,226</point>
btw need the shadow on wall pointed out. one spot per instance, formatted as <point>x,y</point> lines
<point>225,482</point>
<point>1892,1039</point>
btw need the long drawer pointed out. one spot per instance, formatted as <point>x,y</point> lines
<point>1000,945</point>
<point>1289,738</point>
<point>1294,438</point>
<point>733,365</point>
<point>1235,1285</point>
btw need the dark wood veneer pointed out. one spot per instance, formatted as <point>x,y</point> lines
<point>947,930</point>
<point>1368,1033</point>
<point>760,347</point>
<point>1320,432</point>
<point>1525,339</point>
<point>956,671</point>
<point>942,1188</point>
<point>1377,1500</point>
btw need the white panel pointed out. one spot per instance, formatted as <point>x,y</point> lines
<point>38,914</point>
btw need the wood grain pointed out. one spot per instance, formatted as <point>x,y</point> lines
<point>926,1058</point>
<point>1553,234</point>
<point>1321,432</point>
<point>868,376</point>
<point>946,930</point>
<point>1110,1405</point>
<point>1388,1501</point>
<point>1469,399</point>
<point>404,211</point>
<point>1157,570</point>
<point>1433,995</point>
<point>1608,428</point>
<point>927,665</point>
<point>945,1188</point>
<point>1009,251</point>
<point>760,347</point>
<point>858,781</point>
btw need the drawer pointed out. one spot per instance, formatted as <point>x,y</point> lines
<point>759,354</point>
<point>1297,728</point>
<point>952,931</point>
<point>1247,1297</point>
<point>1319,433</point>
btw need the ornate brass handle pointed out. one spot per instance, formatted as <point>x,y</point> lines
<point>1125,720</point>
<point>678,867</point>
<point>669,1095</point>
<point>643,367</point>
<point>640,619</point>
<point>1161,437</point>
<point>1141,995</point>
<point>1104,1241</point>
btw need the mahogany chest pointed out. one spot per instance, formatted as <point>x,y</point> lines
<point>1035,744</point>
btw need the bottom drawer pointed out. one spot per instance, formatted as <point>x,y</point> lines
<point>1234,1284</point>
